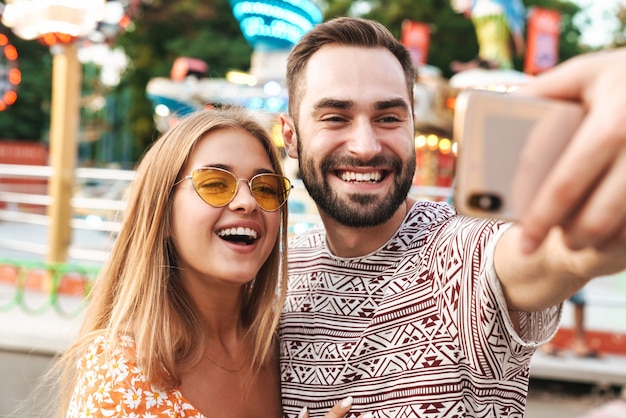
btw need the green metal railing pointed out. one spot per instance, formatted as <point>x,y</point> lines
<point>38,287</point>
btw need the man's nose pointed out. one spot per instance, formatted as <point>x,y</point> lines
<point>363,142</point>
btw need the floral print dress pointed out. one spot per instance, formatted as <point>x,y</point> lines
<point>117,387</point>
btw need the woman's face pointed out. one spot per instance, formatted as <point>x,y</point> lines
<point>223,248</point>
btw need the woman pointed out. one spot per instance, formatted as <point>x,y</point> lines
<point>182,319</point>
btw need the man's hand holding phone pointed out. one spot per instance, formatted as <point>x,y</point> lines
<point>572,226</point>
<point>559,166</point>
<point>585,193</point>
<point>499,170</point>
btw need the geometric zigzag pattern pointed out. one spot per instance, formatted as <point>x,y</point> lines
<point>417,329</point>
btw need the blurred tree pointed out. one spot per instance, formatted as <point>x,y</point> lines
<point>452,35</point>
<point>164,30</point>
<point>29,117</point>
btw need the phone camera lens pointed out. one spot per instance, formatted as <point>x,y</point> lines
<point>485,201</point>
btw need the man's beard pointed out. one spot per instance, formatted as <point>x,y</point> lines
<point>359,210</point>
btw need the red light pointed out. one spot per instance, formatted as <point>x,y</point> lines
<point>450,102</point>
<point>50,39</point>
<point>10,52</point>
<point>12,74</point>
<point>15,76</point>
<point>64,38</point>
<point>10,97</point>
<point>124,22</point>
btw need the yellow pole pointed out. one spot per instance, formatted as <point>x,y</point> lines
<point>64,118</point>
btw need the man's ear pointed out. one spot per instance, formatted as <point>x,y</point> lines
<point>288,129</point>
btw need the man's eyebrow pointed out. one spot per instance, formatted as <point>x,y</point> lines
<point>392,103</point>
<point>326,103</point>
<point>330,103</point>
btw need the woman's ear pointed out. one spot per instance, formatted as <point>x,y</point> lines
<point>288,130</point>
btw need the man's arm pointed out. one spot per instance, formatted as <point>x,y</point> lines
<point>553,272</point>
<point>575,227</point>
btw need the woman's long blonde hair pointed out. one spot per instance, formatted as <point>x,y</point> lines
<point>139,291</point>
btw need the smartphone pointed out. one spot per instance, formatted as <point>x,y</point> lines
<point>497,173</point>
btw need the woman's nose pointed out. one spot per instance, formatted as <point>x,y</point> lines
<point>243,197</point>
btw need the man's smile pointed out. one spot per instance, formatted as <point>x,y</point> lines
<point>358,177</point>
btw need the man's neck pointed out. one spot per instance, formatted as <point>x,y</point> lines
<point>348,242</point>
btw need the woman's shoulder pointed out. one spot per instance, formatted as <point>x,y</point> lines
<point>113,355</point>
<point>106,370</point>
<point>111,383</point>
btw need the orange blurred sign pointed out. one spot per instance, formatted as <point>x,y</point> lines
<point>544,29</point>
<point>27,153</point>
<point>416,38</point>
<point>23,152</point>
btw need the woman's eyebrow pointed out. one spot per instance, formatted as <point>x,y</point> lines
<point>230,168</point>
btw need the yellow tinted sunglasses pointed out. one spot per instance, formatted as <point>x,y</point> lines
<point>218,187</point>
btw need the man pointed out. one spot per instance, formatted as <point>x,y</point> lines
<point>405,306</point>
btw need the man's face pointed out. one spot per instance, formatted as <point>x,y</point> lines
<point>355,134</point>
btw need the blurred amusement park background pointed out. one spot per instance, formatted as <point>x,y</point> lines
<point>87,85</point>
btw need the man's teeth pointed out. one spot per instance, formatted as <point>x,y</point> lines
<point>366,177</point>
<point>239,231</point>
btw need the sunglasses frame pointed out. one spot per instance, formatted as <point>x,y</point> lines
<point>284,179</point>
